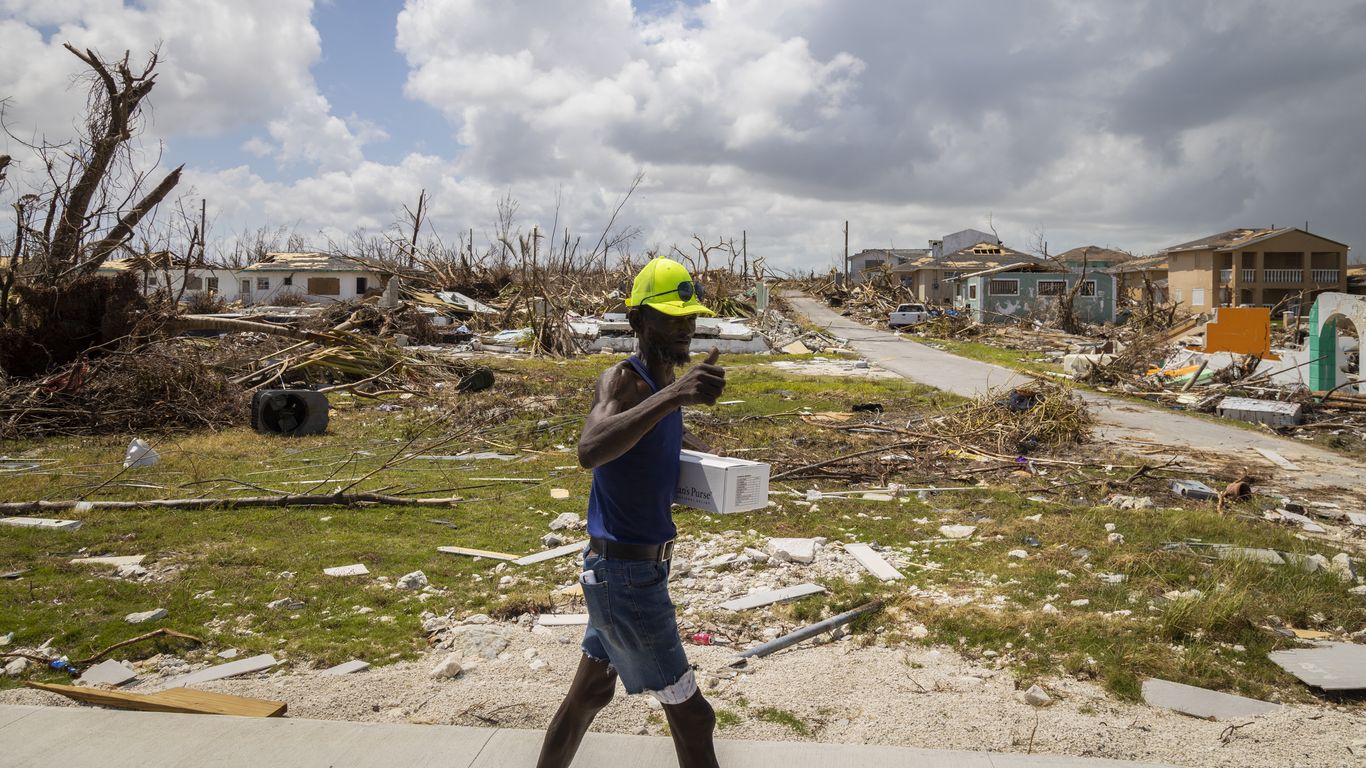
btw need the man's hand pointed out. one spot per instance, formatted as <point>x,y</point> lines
<point>703,383</point>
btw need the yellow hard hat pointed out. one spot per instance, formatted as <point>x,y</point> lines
<point>666,285</point>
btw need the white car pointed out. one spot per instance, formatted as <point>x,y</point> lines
<point>909,314</point>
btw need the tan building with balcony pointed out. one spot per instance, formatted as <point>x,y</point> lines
<point>1255,268</point>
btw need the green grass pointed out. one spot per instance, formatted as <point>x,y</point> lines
<point>784,718</point>
<point>988,600</point>
<point>727,718</point>
<point>1014,359</point>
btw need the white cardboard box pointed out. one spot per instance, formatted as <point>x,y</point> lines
<point>720,483</point>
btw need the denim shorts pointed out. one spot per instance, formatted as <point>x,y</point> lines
<point>631,624</point>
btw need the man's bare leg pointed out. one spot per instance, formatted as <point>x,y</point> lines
<point>692,724</point>
<point>592,689</point>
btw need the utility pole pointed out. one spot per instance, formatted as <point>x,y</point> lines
<point>846,253</point>
<point>744,250</point>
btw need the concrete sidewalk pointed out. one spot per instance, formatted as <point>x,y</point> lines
<point>1121,422</point>
<point>87,737</point>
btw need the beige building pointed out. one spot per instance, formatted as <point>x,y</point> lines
<point>1255,268</point>
<point>1141,280</point>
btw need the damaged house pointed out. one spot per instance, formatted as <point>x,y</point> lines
<point>1033,289</point>
<point>316,278</point>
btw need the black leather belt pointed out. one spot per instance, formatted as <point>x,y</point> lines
<point>616,550</point>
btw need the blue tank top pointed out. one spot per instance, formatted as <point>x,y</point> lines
<point>632,494</point>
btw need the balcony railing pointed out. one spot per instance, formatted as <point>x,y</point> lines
<point>1322,276</point>
<point>1284,275</point>
<point>1249,275</point>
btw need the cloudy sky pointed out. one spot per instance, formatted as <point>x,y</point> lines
<point>1132,125</point>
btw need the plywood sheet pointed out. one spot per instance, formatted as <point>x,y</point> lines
<point>181,700</point>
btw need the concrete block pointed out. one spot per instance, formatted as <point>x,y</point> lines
<point>358,569</point>
<point>562,619</point>
<point>1270,412</point>
<point>108,672</point>
<point>1331,666</point>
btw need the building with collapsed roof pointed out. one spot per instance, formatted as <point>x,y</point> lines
<point>1034,289</point>
<point>312,277</point>
<point>931,279</point>
<point>1255,268</point>
<point>162,270</point>
<point>1142,280</point>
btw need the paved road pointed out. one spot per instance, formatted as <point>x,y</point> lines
<point>85,737</point>
<point>1120,422</point>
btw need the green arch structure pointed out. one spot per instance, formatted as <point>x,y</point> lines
<point>1323,335</point>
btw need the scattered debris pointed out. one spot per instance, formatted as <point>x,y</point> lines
<point>1202,702</point>
<point>1330,666</point>
<point>770,596</point>
<point>145,616</point>
<point>807,632</point>
<point>466,551</point>
<point>140,454</point>
<point>346,668</point>
<point>566,521</point>
<point>551,554</point>
<point>358,569</point>
<point>1193,489</point>
<point>41,522</point>
<point>1273,413</point>
<point>108,672</point>
<point>957,531</point>
<point>562,620</point>
<point>793,550</point>
<point>231,669</point>
<point>414,580</point>
<point>872,561</point>
<point>114,561</point>
<point>1277,459</point>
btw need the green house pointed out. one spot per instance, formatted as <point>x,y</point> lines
<point>1033,290</point>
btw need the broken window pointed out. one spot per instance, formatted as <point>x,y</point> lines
<point>213,284</point>
<point>1004,288</point>
<point>362,285</point>
<point>972,291</point>
<point>324,286</point>
<point>263,283</point>
<point>1052,287</point>
<point>289,280</point>
<point>1088,288</point>
<point>194,283</point>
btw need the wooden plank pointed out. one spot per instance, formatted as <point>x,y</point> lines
<point>1277,459</point>
<point>476,553</point>
<point>871,560</point>
<point>551,554</point>
<point>768,597</point>
<point>178,700</point>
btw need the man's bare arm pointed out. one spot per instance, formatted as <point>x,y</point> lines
<point>623,410</point>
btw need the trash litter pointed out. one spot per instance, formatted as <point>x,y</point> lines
<point>178,700</point>
<point>804,633</point>
<point>1193,489</point>
<point>140,454</point>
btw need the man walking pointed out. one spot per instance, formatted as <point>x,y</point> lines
<point>631,440</point>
